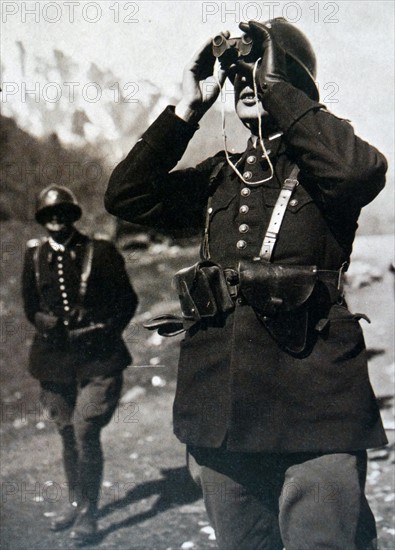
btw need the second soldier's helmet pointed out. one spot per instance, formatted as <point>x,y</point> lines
<point>59,198</point>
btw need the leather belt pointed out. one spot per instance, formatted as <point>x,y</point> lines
<point>333,280</point>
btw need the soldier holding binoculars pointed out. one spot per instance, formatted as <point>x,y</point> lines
<point>270,347</point>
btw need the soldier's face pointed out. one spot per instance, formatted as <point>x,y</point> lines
<point>59,226</point>
<point>248,107</point>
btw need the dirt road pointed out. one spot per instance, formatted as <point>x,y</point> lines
<point>148,501</point>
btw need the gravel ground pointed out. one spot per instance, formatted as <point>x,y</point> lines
<point>148,500</point>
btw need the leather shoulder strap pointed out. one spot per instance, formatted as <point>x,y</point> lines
<point>86,269</point>
<point>37,244</point>
<point>277,216</point>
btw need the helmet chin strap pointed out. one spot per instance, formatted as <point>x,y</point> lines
<point>262,144</point>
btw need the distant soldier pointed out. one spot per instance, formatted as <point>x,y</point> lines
<point>77,294</point>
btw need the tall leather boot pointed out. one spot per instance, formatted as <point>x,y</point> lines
<point>69,513</point>
<point>85,527</point>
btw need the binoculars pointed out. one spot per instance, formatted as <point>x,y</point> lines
<point>239,46</point>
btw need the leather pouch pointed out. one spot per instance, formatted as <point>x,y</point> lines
<point>270,288</point>
<point>279,294</point>
<point>202,291</point>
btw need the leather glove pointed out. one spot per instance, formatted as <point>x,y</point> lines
<point>51,330</point>
<point>199,89</point>
<point>273,66</point>
<point>44,322</point>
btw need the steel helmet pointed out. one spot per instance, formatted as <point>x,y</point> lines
<point>302,66</point>
<point>60,198</point>
<point>301,61</point>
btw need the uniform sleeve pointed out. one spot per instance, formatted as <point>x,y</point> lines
<point>143,190</point>
<point>30,296</point>
<point>341,166</point>
<point>118,300</point>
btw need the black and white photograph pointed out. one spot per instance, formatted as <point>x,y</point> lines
<point>197,275</point>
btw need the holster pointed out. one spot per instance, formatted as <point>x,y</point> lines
<point>280,296</point>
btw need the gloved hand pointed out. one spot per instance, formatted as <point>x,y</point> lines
<point>273,66</point>
<point>51,329</point>
<point>199,88</point>
<point>44,322</point>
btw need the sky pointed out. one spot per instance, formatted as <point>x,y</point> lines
<point>353,40</point>
<point>153,40</point>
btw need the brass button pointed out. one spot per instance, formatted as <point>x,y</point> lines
<point>65,322</point>
<point>247,175</point>
<point>61,280</point>
<point>251,159</point>
<point>60,271</point>
<point>245,192</point>
<point>243,209</point>
<point>210,210</point>
<point>243,228</point>
<point>62,287</point>
<point>60,266</point>
<point>65,302</point>
<point>241,244</point>
<point>64,294</point>
<point>66,308</point>
<point>60,258</point>
<point>293,202</point>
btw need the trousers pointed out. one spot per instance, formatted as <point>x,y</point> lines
<point>80,410</point>
<point>304,501</point>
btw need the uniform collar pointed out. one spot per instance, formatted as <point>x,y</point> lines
<point>274,144</point>
<point>60,247</point>
<point>75,241</point>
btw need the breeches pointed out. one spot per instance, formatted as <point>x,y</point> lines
<point>306,501</point>
<point>86,407</point>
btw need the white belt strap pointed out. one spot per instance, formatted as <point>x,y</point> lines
<point>277,217</point>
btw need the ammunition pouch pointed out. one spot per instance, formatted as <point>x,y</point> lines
<point>203,291</point>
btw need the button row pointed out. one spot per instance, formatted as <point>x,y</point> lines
<point>62,287</point>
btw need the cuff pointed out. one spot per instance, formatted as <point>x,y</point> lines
<point>169,135</point>
<point>287,104</point>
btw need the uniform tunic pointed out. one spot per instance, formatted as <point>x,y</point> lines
<point>236,386</point>
<point>109,299</point>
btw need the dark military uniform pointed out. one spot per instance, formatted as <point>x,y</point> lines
<point>109,299</point>
<point>79,369</point>
<point>238,390</point>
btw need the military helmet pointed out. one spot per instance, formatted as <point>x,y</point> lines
<point>300,57</point>
<point>302,63</point>
<point>60,198</point>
